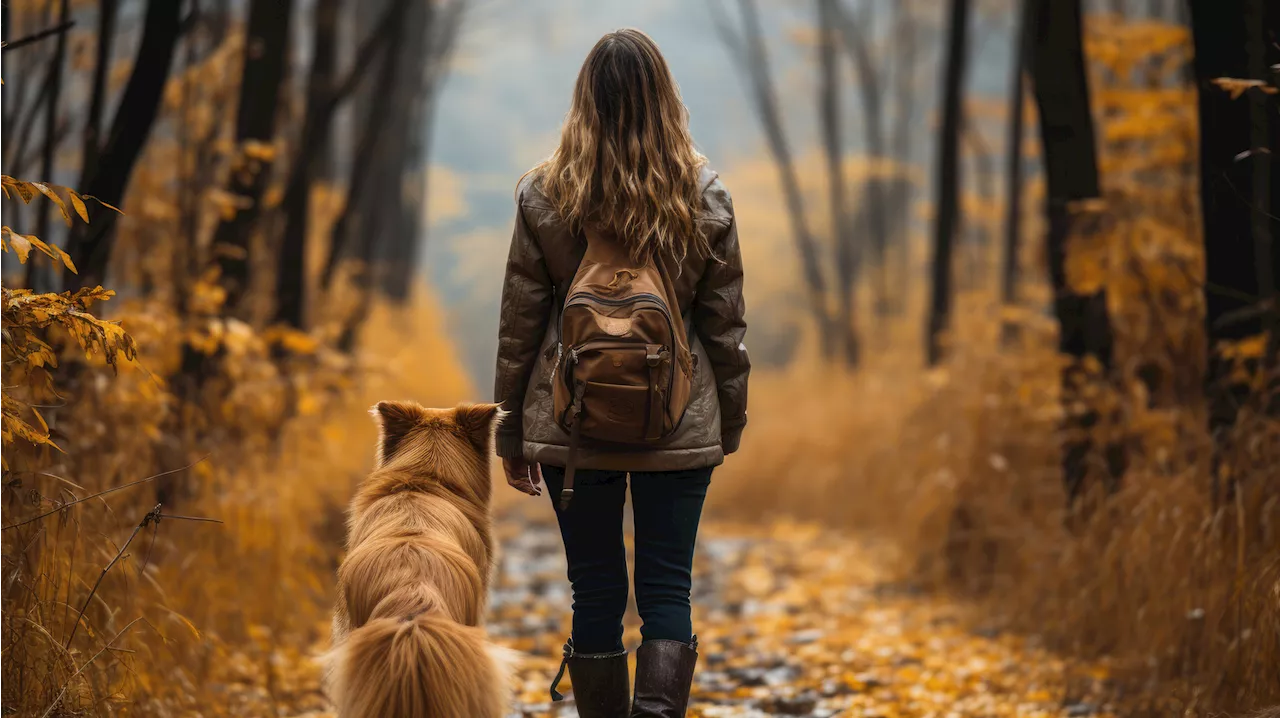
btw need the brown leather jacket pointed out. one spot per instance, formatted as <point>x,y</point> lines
<point>544,257</point>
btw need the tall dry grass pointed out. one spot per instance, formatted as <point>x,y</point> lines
<point>210,618</point>
<point>959,469</point>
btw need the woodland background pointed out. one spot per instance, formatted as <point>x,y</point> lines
<point>1010,268</point>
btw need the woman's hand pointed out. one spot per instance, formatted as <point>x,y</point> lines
<point>523,476</point>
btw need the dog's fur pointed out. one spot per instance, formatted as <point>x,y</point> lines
<point>412,590</point>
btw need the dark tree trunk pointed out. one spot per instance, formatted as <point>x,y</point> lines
<point>1071,174</point>
<point>291,279</point>
<point>842,231</point>
<point>98,95</point>
<point>371,132</point>
<point>1013,166</point>
<point>265,55</point>
<point>322,106</point>
<point>50,145</point>
<point>4,123</point>
<point>432,33</point>
<point>1237,39</point>
<point>948,179</point>
<point>91,246</point>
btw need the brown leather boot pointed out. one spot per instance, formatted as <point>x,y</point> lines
<point>664,675</point>
<point>601,682</point>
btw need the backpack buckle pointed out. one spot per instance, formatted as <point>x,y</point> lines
<point>656,354</point>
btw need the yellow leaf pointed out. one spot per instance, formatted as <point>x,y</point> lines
<point>78,203</point>
<point>21,246</point>
<point>62,206</point>
<point>24,190</point>
<point>113,208</point>
<point>66,261</point>
<point>44,425</point>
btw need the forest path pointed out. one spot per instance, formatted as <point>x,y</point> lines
<point>792,620</point>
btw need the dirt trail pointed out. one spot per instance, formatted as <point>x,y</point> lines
<point>793,621</point>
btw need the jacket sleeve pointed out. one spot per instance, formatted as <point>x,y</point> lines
<point>719,318</point>
<point>527,298</point>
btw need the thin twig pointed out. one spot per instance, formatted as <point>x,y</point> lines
<point>152,515</point>
<point>103,493</point>
<point>37,37</point>
<point>87,663</point>
<point>190,518</point>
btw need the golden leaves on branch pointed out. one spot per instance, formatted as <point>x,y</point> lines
<point>28,317</point>
<point>27,190</point>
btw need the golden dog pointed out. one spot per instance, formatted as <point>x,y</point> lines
<point>412,589</point>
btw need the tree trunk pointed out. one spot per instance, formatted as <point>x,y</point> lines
<point>5,26</point>
<point>441,28</point>
<point>98,98</point>
<point>1013,168</point>
<point>265,55</point>
<point>830,334</point>
<point>371,134</point>
<point>91,246</point>
<point>37,272</point>
<point>948,179</point>
<point>1071,175</point>
<point>322,106</point>
<point>291,275</point>
<point>842,232</point>
<point>1237,192</point>
<point>1263,148</point>
<point>874,197</point>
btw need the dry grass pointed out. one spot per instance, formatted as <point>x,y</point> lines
<point>958,471</point>
<point>198,616</point>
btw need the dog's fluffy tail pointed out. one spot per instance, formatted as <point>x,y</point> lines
<point>420,666</point>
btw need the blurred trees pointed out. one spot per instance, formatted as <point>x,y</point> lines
<point>244,188</point>
<point>947,179</point>
<point>138,107</point>
<point>1067,135</point>
<point>866,225</point>
<point>215,131</point>
<point>747,49</point>
<point>266,46</point>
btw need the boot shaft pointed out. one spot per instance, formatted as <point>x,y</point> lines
<point>664,676</point>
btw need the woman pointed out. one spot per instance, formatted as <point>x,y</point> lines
<point>625,173</point>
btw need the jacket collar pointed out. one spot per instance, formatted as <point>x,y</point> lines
<point>705,177</point>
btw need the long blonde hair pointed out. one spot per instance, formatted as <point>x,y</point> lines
<point>626,163</point>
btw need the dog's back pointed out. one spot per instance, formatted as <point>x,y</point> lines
<point>412,589</point>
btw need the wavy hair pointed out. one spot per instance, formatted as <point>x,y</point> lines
<point>626,163</point>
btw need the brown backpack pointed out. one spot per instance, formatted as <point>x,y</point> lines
<point>624,372</point>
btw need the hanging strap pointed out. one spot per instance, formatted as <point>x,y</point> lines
<point>557,696</point>
<point>656,356</point>
<point>575,434</point>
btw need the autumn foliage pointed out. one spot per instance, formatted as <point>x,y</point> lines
<point>178,452</point>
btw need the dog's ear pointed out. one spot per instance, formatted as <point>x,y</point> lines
<point>395,420</point>
<point>478,421</point>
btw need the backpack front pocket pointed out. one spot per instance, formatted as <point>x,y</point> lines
<point>615,412</point>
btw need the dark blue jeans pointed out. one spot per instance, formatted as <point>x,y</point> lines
<point>666,506</point>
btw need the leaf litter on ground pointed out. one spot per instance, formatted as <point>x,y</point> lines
<point>792,620</point>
